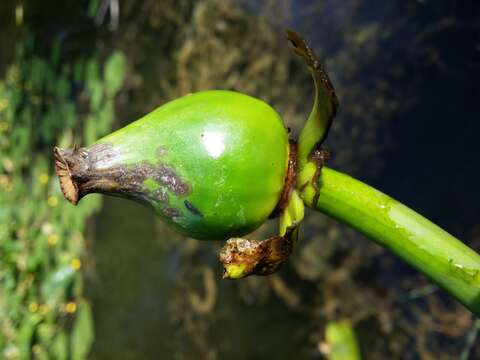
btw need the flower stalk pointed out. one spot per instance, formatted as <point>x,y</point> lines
<point>442,257</point>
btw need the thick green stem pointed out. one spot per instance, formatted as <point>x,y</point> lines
<point>431,250</point>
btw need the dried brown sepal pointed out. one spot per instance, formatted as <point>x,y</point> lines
<point>320,119</point>
<point>302,49</point>
<point>319,157</point>
<point>243,257</point>
<point>68,186</point>
<point>99,169</point>
<point>290,180</point>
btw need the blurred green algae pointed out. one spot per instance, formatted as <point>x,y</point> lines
<point>47,100</point>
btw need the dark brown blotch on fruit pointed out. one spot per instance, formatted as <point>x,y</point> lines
<point>289,182</point>
<point>98,169</point>
<point>171,212</point>
<point>192,208</point>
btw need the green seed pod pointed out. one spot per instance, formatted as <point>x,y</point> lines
<point>212,164</point>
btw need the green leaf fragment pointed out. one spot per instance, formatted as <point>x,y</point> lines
<point>25,333</point>
<point>83,332</point>
<point>293,214</point>
<point>60,346</point>
<point>341,341</point>
<point>114,72</point>
<point>57,281</point>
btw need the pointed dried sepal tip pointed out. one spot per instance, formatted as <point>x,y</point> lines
<point>243,257</point>
<point>324,107</point>
<point>302,49</point>
<point>68,186</point>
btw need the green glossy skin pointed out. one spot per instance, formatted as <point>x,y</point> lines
<point>231,150</point>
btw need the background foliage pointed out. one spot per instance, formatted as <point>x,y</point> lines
<point>46,101</point>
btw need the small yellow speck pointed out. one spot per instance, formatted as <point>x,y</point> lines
<point>33,307</point>
<point>19,15</point>
<point>71,307</point>
<point>52,201</point>
<point>8,164</point>
<point>52,239</point>
<point>43,309</point>
<point>76,264</point>
<point>36,349</point>
<point>43,178</point>
<point>4,126</point>
<point>21,233</point>
<point>4,181</point>
<point>3,104</point>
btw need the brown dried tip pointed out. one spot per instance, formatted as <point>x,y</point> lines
<point>68,186</point>
<point>243,257</point>
<point>290,181</point>
<point>302,49</point>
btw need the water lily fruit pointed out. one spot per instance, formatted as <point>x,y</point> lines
<point>212,164</point>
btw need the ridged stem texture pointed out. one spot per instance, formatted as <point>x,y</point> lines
<point>416,240</point>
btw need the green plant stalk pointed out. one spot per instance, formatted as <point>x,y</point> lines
<point>416,240</point>
<point>341,341</point>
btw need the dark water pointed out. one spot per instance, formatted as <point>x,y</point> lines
<point>135,277</point>
<point>432,155</point>
<point>131,283</point>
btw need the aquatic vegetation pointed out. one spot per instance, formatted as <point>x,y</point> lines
<point>43,311</point>
<point>340,341</point>
<point>218,140</point>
